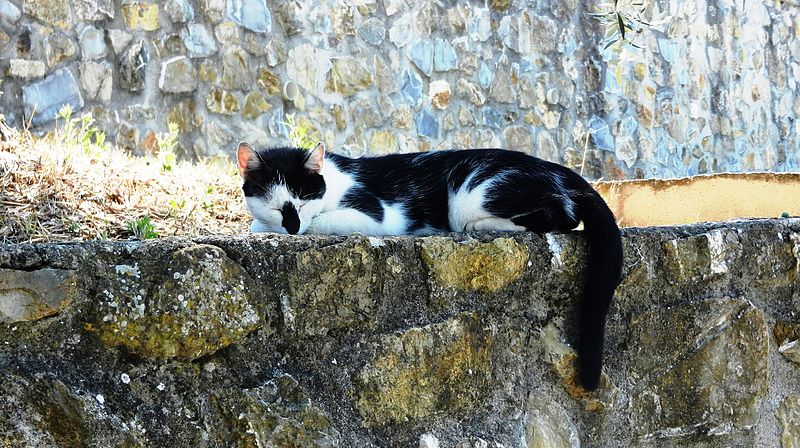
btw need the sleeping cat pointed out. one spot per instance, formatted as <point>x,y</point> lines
<point>290,190</point>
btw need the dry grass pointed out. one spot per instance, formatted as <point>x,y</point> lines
<point>66,186</point>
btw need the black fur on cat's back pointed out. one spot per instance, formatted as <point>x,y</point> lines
<point>424,181</point>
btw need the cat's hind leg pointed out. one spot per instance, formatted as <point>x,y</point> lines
<point>493,224</point>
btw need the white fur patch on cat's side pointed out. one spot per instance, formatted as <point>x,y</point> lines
<point>466,205</point>
<point>337,183</point>
<point>394,219</point>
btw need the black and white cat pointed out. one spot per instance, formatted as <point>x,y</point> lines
<point>290,190</point>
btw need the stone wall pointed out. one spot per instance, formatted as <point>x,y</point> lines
<point>450,341</point>
<point>714,87</point>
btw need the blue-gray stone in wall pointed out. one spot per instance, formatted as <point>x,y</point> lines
<point>372,31</point>
<point>444,56</point>
<point>93,45</point>
<point>492,118</point>
<point>198,41</point>
<point>427,124</point>
<point>421,54</point>
<point>485,75</point>
<point>179,11</point>
<point>323,24</point>
<point>9,12</point>
<point>43,99</point>
<point>251,14</point>
<point>601,135</point>
<point>411,86</point>
<point>480,24</point>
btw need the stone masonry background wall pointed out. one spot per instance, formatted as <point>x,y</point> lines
<point>456,340</point>
<point>715,87</point>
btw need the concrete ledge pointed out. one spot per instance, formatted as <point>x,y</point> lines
<point>708,198</point>
<point>457,339</point>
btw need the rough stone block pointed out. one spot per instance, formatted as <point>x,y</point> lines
<point>194,307</point>
<point>97,80</point>
<point>25,69</point>
<point>439,369</point>
<point>702,367</point>
<point>141,16</point>
<point>474,266</point>
<point>43,99</point>
<point>178,75</point>
<point>320,277</point>
<point>29,296</point>
<point>54,12</point>
<point>789,417</point>
<point>347,77</point>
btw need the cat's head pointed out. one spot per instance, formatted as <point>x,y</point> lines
<point>283,187</point>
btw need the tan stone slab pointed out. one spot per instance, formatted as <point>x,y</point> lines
<point>717,197</point>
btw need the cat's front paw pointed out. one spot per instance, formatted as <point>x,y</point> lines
<point>259,227</point>
<point>316,226</point>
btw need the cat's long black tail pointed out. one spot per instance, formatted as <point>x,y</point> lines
<point>603,271</point>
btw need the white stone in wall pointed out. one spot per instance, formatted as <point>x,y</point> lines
<point>402,31</point>
<point>91,10</point>
<point>119,40</point>
<point>480,24</point>
<point>25,69</point>
<point>301,66</point>
<point>392,7</point>
<point>96,80</point>
<point>93,44</point>
<point>439,93</point>
<point>198,41</point>
<point>178,76</point>
<point>9,12</point>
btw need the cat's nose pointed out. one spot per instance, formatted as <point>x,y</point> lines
<point>291,221</point>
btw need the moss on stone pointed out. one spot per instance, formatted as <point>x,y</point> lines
<point>789,417</point>
<point>564,360</point>
<point>785,332</point>
<point>321,278</point>
<point>706,367</point>
<point>195,307</point>
<point>474,266</point>
<point>439,369</point>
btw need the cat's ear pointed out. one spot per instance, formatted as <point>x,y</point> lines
<point>248,158</point>
<point>315,158</point>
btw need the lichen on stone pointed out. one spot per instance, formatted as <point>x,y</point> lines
<point>319,280</point>
<point>789,417</point>
<point>196,306</point>
<point>474,266</point>
<point>705,367</point>
<point>439,369</point>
